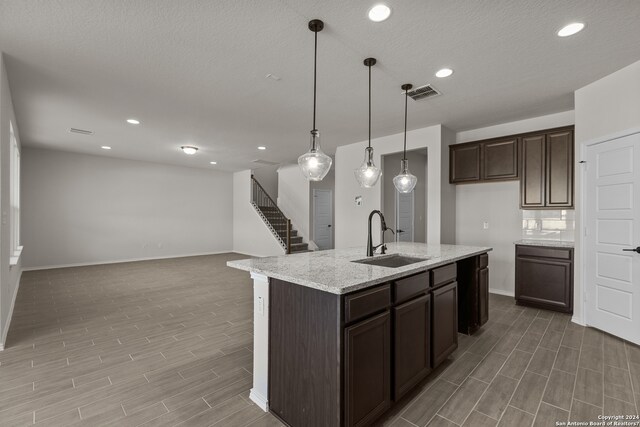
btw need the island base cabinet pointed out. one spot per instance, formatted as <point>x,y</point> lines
<point>444,324</point>
<point>368,370</point>
<point>412,337</point>
<point>483,295</point>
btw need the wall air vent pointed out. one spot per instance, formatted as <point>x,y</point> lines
<point>265,162</point>
<point>422,92</point>
<point>81,131</point>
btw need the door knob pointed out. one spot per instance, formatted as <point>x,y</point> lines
<point>329,225</point>
<point>633,250</point>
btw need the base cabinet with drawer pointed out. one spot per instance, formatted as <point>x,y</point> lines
<point>344,360</point>
<point>544,277</point>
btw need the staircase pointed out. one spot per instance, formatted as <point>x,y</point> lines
<point>277,222</point>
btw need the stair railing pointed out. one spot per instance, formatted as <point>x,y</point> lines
<point>261,199</point>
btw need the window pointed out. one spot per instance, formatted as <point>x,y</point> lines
<point>14,196</point>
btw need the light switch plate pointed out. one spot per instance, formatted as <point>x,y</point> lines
<point>485,225</point>
<point>260,306</point>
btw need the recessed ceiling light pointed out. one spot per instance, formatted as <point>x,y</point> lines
<point>214,163</point>
<point>445,72</point>
<point>189,149</point>
<point>106,147</point>
<point>571,29</point>
<point>133,121</point>
<point>379,12</point>
<point>262,147</point>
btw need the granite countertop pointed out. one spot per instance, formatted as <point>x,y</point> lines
<point>332,270</point>
<point>549,243</point>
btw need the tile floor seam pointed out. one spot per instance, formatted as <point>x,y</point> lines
<point>549,377</point>
<point>575,381</point>
<point>633,391</point>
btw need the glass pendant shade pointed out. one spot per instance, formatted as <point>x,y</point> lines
<point>405,181</point>
<point>368,173</point>
<point>314,164</point>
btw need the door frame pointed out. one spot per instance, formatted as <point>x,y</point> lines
<point>313,194</point>
<point>413,215</point>
<point>581,243</point>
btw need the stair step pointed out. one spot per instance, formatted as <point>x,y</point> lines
<point>299,247</point>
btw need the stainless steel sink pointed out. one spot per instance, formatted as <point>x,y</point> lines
<point>391,261</point>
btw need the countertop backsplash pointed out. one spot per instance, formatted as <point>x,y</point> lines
<point>548,225</point>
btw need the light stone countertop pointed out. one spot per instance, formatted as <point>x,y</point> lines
<point>332,270</point>
<point>547,243</point>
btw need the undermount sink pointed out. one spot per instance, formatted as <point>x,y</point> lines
<point>391,261</point>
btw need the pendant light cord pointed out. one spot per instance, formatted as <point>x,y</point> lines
<point>369,106</point>
<point>406,98</point>
<point>315,60</point>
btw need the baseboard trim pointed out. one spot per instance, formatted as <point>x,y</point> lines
<point>578,321</point>
<point>13,304</point>
<point>121,261</point>
<point>501,292</point>
<point>259,400</point>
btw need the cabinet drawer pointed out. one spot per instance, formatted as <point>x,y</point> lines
<point>362,304</point>
<point>483,260</point>
<point>544,252</point>
<point>408,287</point>
<point>443,275</point>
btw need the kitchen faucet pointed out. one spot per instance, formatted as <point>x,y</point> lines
<point>383,225</point>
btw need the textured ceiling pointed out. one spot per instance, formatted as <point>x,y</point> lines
<point>194,71</point>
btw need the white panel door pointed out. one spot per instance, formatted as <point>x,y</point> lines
<point>322,213</point>
<point>613,228</point>
<point>404,217</point>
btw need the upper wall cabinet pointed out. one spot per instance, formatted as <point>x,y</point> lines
<point>547,170</point>
<point>491,160</point>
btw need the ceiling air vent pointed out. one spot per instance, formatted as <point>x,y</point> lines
<point>265,162</point>
<point>81,131</point>
<point>422,92</point>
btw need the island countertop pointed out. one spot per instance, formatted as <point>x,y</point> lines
<point>333,270</point>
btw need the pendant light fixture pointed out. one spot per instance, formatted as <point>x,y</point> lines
<point>368,173</point>
<point>314,163</point>
<point>405,181</point>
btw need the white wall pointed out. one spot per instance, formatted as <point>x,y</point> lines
<point>294,195</point>
<point>351,220</point>
<point>85,209</point>
<point>607,108</point>
<point>9,275</point>
<point>251,236</point>
<point>267,176</point>
<point>498,204</point>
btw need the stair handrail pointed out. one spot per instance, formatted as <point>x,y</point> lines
<point>259,196</point>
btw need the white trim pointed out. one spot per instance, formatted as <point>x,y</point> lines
<point>613,135</point>
<point>15,258</point>
<point>578,321</point>
<point>85,264</point>
<point>13,303</point>
<point>501,292</point>
<point>313,215</point>
<point>259,400</point>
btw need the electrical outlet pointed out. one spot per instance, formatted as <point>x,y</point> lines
<point>260,307</point>
<point>485,225</point>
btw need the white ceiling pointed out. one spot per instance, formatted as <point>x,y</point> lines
<point>194,71</point>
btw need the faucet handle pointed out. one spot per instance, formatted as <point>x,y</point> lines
<point>383,250</point>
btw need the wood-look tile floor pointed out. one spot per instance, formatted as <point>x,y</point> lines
<point>169,342</point>
<point>154,343</point>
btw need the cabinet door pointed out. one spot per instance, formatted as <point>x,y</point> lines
<point>412,336</point>
<point>559,169</point>
<point>444,323</point>
<point>500,160</point>
<point>367,376</point>
<point>483,295</point>
<point>544,283</point>
<point>464,163</point>
<point>532,177</point>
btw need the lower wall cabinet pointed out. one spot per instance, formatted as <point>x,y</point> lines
<point>445,322</point>
<point>544,277</point>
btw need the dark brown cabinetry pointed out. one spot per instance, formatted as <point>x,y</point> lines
<point>544,277</point>
<point>491,160</point>
<point>547,170</point>
<point>473,289</point>
<point>368,377</point>
<point>444,323</point>
<point>412,344</point>
<point>342,360</point>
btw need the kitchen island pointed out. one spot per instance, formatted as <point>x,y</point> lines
<point>339,337</point>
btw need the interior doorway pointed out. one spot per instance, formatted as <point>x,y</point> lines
<point>406,212</point>
<point>612,241</point>
<point>322,218</point>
